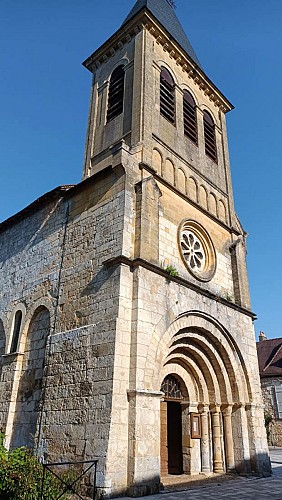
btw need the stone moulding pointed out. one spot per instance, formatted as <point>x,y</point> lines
<point>161,179</point>
<point>132,393</point>
<point>134,263</point>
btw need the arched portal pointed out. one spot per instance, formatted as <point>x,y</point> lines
<point>30,384</point>
<point>203,416</point>
<point>205,360</point>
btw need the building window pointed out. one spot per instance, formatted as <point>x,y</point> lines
<point>209,133</point>
<point>16,331</point>
<point>197,250</point>
<point>167,96</point>
<point>190,117</point>
<point>278,394</point>
<point>116,94</point>
<point>171,388</point>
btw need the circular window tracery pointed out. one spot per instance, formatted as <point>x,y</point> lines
<point>197,250</point>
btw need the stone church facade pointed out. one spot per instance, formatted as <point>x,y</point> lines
<point>126,331</point>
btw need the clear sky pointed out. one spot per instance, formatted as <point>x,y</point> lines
<point>44,99</point>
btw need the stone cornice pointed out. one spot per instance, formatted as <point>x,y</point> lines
<point>145,20</point>
<point>163,181</point>
<point>189,165</point>
<point>135,263</point>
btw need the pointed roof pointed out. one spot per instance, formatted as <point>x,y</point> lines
<point>165,14</point>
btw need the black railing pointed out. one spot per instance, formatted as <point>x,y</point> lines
<point>69,485</point>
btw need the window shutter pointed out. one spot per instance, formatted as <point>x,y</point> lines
<point>209,133</point>
<point>167,97</point>
<point>189,117</point>
<point>278,394</point>
<point>116,94</point>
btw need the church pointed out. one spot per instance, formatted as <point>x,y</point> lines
<point>126,330</point>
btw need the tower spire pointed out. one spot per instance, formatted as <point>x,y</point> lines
<point>164,12</point>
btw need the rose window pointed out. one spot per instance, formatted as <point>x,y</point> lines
<point>192,250</point>
<point>197,250</point>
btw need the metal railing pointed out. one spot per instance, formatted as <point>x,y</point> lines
<point>68,485</point>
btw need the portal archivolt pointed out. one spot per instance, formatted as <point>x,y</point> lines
<point>213,397</point>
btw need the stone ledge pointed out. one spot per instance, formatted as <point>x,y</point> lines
<point>134,263</point>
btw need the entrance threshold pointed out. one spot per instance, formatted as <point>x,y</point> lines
<point>183,481</point>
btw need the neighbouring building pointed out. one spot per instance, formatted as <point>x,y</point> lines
<point>270,370</point>
<point>126,330</point>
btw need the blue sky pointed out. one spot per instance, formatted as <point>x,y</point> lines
<point>44,99</point>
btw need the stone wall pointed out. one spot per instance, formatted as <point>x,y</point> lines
<point>270,405</point>
<point>57,396</point>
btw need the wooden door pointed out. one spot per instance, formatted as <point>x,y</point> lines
<point>174,438</point>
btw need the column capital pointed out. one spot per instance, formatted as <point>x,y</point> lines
<point>203,408</point>
<point>215,408</point>
<point>227,409</point>
<point>193,407</point>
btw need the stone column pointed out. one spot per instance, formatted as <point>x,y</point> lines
<point>216,437</point>
<point>228,439</point>
<point>205,446</point>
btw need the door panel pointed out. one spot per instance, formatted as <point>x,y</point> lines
<point>174,438</point>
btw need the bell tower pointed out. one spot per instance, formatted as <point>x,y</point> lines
<point>153,106</point>
<point>185,318</point>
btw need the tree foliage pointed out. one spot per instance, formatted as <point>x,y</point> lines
<point>21,476</point>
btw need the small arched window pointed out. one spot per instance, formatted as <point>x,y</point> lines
<point>171,388</point>
<point>190,117</point>
<point>116,93</point>
<point>209,133</point>
<point>16,331</point>
<point>167,96</point>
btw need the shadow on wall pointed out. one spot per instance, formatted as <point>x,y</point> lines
<point>33,230</point>
<point>98,281</point>
<point>2,342</point>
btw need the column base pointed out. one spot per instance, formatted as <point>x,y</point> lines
<point>218,469</point>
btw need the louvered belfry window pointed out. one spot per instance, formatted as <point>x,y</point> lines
<point>190,117</point>
<point>167,97</point>
<point>209,132</point>
<point>116,93</point>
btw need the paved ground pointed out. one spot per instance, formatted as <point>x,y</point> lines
<point>252,488</point>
